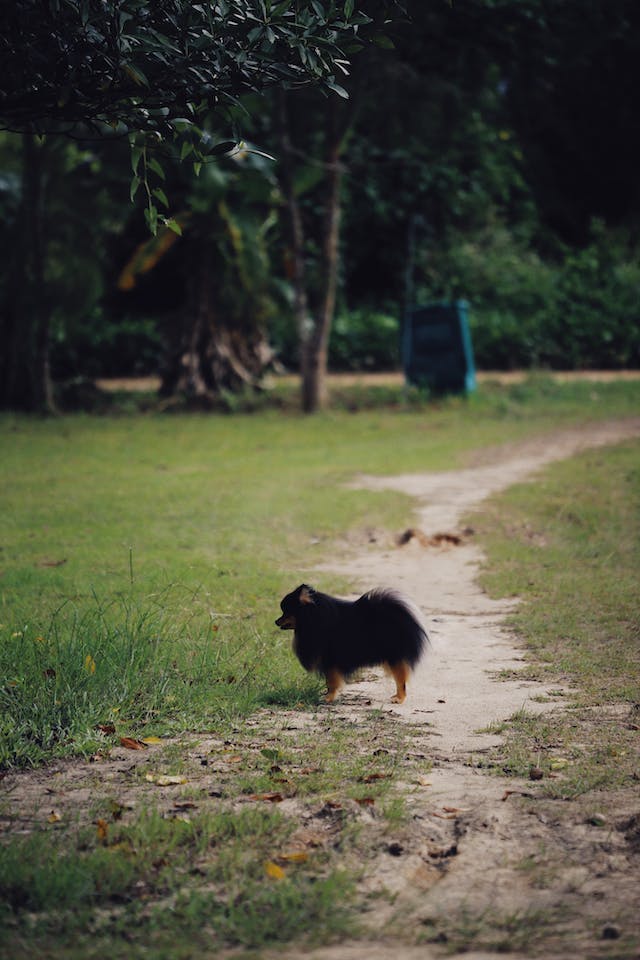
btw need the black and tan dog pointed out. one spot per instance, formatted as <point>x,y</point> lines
<point>336,637</point>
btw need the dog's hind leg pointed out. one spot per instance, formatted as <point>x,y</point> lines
<point>334,681</point>
<point>400,673</point>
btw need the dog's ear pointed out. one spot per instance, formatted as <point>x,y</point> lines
<point>306,594</point>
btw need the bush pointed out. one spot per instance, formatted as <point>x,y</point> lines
<point>579,312</point>
<point>362,339</point>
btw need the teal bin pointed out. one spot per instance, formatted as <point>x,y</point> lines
<point>436,348</point>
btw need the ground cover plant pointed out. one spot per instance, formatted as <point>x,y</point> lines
<point>569,546</point>
<point>216,805</point>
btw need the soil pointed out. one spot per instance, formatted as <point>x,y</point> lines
<point>485,865</point>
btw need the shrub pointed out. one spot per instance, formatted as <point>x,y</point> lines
<point>578,312</point>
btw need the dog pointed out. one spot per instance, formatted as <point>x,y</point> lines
<point>336,637</point>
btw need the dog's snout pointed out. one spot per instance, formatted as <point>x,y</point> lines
<point>286,622</point>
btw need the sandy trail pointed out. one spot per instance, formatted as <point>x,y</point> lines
<point>454,688</point>
<point>453,695</point>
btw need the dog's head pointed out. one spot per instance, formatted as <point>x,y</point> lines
<point>298,599</point>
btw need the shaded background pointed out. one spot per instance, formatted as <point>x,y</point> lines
<point>488,151</point>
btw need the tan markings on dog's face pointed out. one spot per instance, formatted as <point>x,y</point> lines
<point>305,596</point>
<point>286,622</point>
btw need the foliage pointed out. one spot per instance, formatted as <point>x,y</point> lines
<point>156,67</point>
<point>154,71</point>
<point>577,311</point>
<point>361,339</point>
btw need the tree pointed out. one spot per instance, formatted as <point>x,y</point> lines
<point>314,303</point>
<point>151,70</point>
<point>211,287</point>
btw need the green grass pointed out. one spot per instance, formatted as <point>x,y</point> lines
<point>151,872</point>
<point>170,877</point>
<point>568,544</point>
<point>142,559</point>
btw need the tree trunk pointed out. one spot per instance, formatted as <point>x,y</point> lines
<point>313,327</point>
<point>315,354</point>
<point>209,357</point>
<point>26,377</point>
<point>296,266</point>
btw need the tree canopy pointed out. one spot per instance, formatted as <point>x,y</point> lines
<point>158,65</point>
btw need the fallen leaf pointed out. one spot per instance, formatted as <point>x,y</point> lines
<point>438,539</point>
<point>444,816</point>
<point>309,838</point>
<point>51,563</point>
<point>422,782</point>
<point>132,744</point>
<point>54,817</point>
<point>455,809</point>
<point>365,801</point>
<point>149,740</point>
<point>102,830</point>
<point>372,777</point>
<point>519,793</point>
<point>296,856</point>
<point>274,871</point>
<point>185,805</point>
<point>270,797</point>
<point>89,664</point>
<point>49,673</point>
<point>558,763</point>
<point>106,728</point>
<point>164,780</point>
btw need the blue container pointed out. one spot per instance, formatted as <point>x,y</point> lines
<point>436,348</point>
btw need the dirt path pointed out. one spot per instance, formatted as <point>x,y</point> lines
<point>469,643</point>
<point>585,889</point>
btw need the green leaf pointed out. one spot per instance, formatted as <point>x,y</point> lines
<point>155,166</point>
<point>225,146</point>
<point>173,225</point>
<point>161,196</point>
<point>337,88</point>
<point>151,216</point>
<point>136,153</point>
<point>381,40</point>
<point>135,183</point>
<point>348,8</point>
<point>259,153</point>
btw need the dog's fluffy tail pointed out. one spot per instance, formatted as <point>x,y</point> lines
<point>407,617</point>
